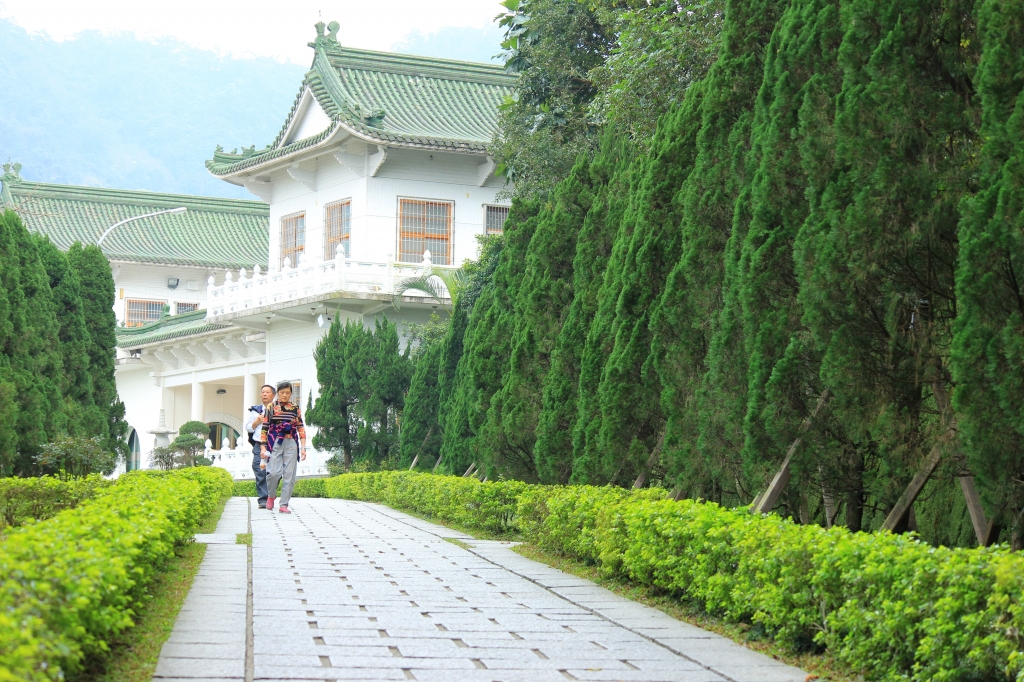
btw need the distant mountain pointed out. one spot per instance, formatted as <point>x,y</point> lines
<point>116,111</point>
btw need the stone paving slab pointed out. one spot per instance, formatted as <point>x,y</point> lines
<point>356,591</point>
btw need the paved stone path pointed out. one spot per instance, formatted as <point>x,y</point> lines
<point>355,591</point>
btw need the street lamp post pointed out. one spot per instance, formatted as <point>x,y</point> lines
<point>173,211</point>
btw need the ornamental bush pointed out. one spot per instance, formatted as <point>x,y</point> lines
<point>69,584</point>
<point>28,499</point>
<point>888,606</point>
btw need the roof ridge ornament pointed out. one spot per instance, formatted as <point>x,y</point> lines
<point>330,40</point>
<point>11,173</point>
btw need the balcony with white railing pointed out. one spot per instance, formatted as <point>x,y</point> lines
<point>311,280</point>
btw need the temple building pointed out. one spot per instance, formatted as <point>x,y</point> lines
<point>380,173</point>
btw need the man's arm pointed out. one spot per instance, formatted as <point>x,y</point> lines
<point>250,417</point>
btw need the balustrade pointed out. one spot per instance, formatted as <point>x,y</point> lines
<point>308,278</point>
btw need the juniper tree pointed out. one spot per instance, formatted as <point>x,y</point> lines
<point>486,344</point>
<point>384,374</point>
<point>97,287</point>
<point>878,250</point>
<point>421,435</point>
<point>987,350</point>
<point>333,412</point>
<point>610,173</point>
<point>539,308</point>
<point>783,387</point>
<point>32,362</point>
<point>83,417</point>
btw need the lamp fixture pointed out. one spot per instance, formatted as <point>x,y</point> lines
<point>172,282</point>
<point>221,391</point>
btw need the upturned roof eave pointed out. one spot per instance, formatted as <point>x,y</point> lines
<point>461,147</point>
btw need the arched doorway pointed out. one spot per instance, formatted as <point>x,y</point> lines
<point>219,431</point>
<point>134,460</point>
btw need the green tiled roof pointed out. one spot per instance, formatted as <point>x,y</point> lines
<point>214,233</point>
<point>170,327</point>
<point>386,98</point>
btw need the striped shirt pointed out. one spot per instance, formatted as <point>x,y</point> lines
<point>282,421</point>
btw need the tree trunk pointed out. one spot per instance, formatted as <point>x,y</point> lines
<point>855,494</point>
<point>652,461</point>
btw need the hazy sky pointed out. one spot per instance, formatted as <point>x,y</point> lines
<point>251,27</point>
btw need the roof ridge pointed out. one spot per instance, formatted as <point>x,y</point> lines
<point>195,202</point>
<point>403,63</point>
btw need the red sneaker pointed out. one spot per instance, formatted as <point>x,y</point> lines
<point>284,509</point>
<point>270,503</point>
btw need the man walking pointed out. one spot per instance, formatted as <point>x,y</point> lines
<point>279,442</point>
<point>254,420</point>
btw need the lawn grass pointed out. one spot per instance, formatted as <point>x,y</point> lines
<point>133,659</point>
<point>821,665</point>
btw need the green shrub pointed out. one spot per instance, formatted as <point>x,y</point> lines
<point>28,499</point>
<point>69,582</point>
<point>889,606</point>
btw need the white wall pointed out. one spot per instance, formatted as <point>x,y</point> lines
<point>149,282</point>
<point>405,173</point>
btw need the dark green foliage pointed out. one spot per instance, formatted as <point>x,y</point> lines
<point>186,450</point>
<point>31,365</point>
<point>363,380</point>
<point>542,300</point>
<point>610,175</point>
<point>878,250</point>
<point>97,287</point>
<point>482,352</point>
<point>83,417</point>
<point>989,343</point>
<point>421,435</point>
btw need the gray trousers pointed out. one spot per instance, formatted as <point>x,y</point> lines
<point>282,466</point>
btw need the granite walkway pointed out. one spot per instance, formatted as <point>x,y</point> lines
<point>345,590</point>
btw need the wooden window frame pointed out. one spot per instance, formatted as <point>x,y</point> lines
<point>487,210</point>
<point>409,256</point>
<point>145,301</point>
<point>292,252</point>
<point>331,241</point>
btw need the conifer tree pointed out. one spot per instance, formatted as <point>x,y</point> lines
<point>333,412</point>
<point>32,345</point>
<point>987,351</point>
<point>610,176</point>
<point>421,435</point>
<point>878,249</point>
<point>97,287</point>
<point>486,345</point>
<point>540,306</point>
<point>83,417</point>
<point>783,387</point>
<point>384,379</point>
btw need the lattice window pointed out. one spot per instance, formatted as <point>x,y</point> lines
<point>186,307</point>
<point>293,237</point>
<point>337,229</point>
<point>424,225</point>
<point>494,219</point>
<point>138,312</point>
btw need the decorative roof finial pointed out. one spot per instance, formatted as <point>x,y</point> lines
<point>319,29</point>
<point>11,171</point>
<point>332,29</point>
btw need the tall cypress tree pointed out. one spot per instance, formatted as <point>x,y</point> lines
<point>782,366</point>
<point>988,350</point>
<point>384,378</point>
<point>333,413</point>
<point>83,417</point>
<point>686,319</point>
<point>878,249</point>
<point>610,174</point>
<point>97,287</point>
<point>421,434</point>
<point>541,303</point>
<point>486,345</point>
<point>32,346</point>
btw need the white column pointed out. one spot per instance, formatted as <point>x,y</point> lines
<point>266,349</point>
<point>250,393</point>
<point>198,400</point>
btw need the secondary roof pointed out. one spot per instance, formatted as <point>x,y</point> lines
<point>212,233</point>
<point>388,99</point>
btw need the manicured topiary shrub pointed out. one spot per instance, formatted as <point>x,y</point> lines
<point>68,584</point>
<point>888,606</point>
<point>35,499</point>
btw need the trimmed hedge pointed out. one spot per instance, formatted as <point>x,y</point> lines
<point>889,606</point>
<point>304,487</point>
<point>69,583</point>
<point>35,499</point>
